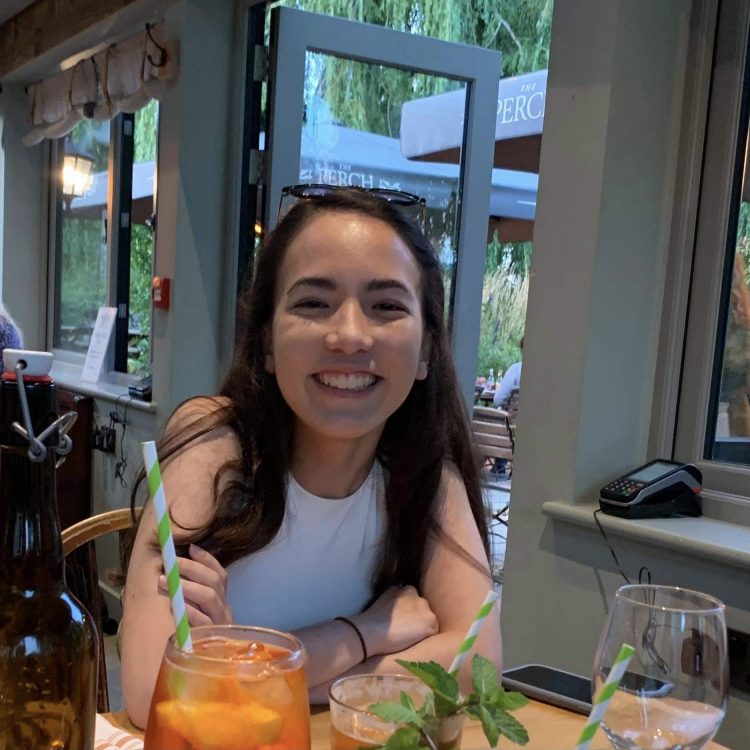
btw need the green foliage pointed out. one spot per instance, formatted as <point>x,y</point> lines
<point>504,297</point>
<point>82,280</point>
<point>489,704</point>
<point>444,685</point>
<point>145,132</point>
<point>141,263</point>
<point>369,97</point>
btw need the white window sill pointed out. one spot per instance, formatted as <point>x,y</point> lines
<point>68,375</point>
<point>707,538</point>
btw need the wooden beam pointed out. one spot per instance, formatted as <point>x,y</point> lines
<point>46,24</point>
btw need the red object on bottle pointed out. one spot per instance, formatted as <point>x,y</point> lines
<point>160,292</point>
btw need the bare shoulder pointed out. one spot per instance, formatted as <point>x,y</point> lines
<point>189,473</point>
<point>454,500</point>
<point>196,409</point>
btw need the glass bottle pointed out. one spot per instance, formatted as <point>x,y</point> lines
<point>48,643</point>
<point>491,380</point>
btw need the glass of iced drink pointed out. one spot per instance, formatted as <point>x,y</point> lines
<point>353,726</point>
<point>240,688</point>
<point>673,695</point>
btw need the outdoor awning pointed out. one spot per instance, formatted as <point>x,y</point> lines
<point>432,127</point>
<point>344,156</point>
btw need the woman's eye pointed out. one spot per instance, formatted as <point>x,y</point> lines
<point>391,307</point>
<point>309,304</point>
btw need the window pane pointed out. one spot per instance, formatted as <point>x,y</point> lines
<point>142,237</point>
<point>82,238</point>
<point>352,139</point>
<point>731,441</point>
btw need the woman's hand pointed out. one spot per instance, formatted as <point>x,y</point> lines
<point>204,585</point>
<point>397,619</point>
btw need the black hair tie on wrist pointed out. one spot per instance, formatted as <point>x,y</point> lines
<point>359,635</point>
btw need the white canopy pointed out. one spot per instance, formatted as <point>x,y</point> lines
<point>432,127</point>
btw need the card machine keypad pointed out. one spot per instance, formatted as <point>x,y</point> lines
<point>624,487</point>
<point>657,489</point>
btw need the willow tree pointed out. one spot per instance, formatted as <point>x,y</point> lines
<point>367,97</point>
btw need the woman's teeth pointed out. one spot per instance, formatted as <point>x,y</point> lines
<point>347,382</point>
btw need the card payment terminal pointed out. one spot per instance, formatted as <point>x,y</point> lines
<point>658,489</point>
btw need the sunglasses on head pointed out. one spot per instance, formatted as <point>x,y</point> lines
<point>412,205</point>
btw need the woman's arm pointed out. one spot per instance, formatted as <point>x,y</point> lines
<point>399,618</point>
<point>453,588</point>
<point>147,620</point>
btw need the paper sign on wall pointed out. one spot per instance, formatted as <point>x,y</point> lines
<point>102,333</point>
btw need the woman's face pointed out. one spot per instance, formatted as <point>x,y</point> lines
<point>346,339</point>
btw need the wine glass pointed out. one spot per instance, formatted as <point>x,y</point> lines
<point>673,695</point>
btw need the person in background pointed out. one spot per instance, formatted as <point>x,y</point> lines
<point>10,333</point>
<point>333,476</point>
<point>511,380</point>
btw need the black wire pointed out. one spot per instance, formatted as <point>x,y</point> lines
<point>122,464</point>
<point>648,639</point>
<point>610,547</point>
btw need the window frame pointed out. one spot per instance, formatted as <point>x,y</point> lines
<point>119,215</point>
<point>713,252</point>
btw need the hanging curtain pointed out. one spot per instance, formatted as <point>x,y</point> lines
<point>124,77</point>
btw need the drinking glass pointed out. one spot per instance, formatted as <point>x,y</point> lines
<point>673,695</point>
<point>354,727</point>
<point>240,688</point>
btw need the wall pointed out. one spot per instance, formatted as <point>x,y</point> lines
<point>22,231</point>
<point>196,165</point>
<point>612,129</point>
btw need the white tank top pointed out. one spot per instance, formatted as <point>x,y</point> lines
<point>319,565</point>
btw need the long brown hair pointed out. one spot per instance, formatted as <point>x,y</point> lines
<point>428,429</point>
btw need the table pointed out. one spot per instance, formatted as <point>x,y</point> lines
<point>549,728</point>
<point>486,397</point>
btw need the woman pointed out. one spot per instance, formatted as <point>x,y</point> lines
<point>333,476</point>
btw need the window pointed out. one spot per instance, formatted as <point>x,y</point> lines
<point>713,416</point>
<point>104,234</point>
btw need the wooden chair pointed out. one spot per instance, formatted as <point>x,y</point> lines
<point>494,435</point>
<point>92,528</point>
<point>83,577</point>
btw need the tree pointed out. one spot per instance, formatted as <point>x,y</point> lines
<point>369,98</point>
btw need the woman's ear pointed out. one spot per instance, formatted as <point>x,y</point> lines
<point>423,366</point>
<point>268,361</point>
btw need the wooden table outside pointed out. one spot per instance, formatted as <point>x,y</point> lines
<point>549,728</point>
<point>486,398</point>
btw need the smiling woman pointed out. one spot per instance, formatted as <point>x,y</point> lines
<point>330,489</point>
<point>346,340</point>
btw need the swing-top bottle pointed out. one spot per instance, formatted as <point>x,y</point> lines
<point>48,644</point>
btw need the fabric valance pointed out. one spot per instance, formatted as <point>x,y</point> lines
<point>121,78</point>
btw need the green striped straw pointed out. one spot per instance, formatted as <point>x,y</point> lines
<point>471,635</point>
<point>604,696</point>
<point>168,554</point>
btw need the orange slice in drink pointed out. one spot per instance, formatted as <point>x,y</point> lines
<point>221,726</point>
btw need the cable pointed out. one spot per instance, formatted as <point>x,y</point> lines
<point>648,639</point>
<point>115,418</point>
<point>610,547</point>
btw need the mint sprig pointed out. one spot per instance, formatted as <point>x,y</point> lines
<point>489,703</point>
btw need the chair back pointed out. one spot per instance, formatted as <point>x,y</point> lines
<point>493,435</point>
<point>83,576</point>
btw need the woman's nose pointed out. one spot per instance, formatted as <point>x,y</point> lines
<point>350,330</point>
